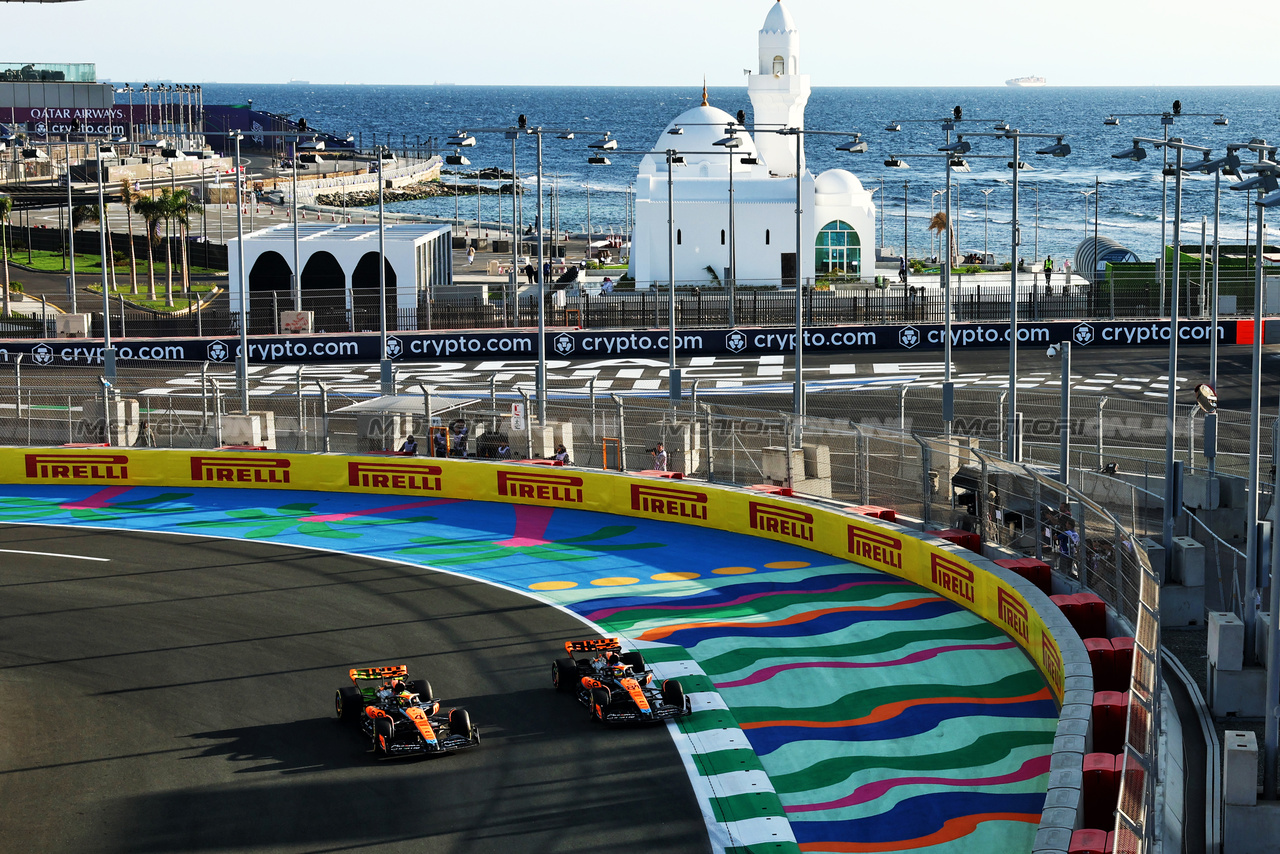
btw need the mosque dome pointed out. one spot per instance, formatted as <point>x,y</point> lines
<point>703,126</point>
<point>778,20</point>
<point>837,182</point>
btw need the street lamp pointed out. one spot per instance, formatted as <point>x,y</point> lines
<point>1064,451</point>
<point>986,216</point>
<point>71,223</point>
<point>604,143</point>
<point>732,142</point>
<point>1084,197</point>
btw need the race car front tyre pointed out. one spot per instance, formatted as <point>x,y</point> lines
<point>460,723</point>
<point>673,694</point>
<point>600,698</point>
<point>635,659</point>
<point>564,674</point>
<point>347,703</point>
<point>422,688</point>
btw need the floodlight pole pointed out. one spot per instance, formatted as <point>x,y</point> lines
<point>673,373</point>
<point>541,374</point>
<point>1172,494</point>
<point>71,221</point>
<point>387,372</point>
<point>1013,445</point>
<point>1211,419</point>
<point>1251,580</point>
<point>297,263</point>
<point>242,358</point>
<point>108,354</point>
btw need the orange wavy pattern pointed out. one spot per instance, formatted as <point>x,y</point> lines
<point>952,829</point>
<point>666,631</point>
<point>892,710</point>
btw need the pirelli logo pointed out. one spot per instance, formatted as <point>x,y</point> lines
<point>1051,658</point>
<point>666,501</point>
<point>952,576</point>
<point>1012,613</point>
<point>783,521</point>
<point>877,547</point>
<point>411,477</point>
<point>240,469</point>
<point>78,466</point>
<point>564,488</point>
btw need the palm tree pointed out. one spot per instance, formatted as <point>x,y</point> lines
<point>181,206</point>
<point>940,225</point>
<point>6,207</point>
<point>152,211</point>
<point>166,214</point>
<point>129,196</point>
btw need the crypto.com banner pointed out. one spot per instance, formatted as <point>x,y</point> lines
<point>594,344</point>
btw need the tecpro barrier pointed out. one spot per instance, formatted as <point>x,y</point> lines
<point>957,574</point>
<point>590,343</point>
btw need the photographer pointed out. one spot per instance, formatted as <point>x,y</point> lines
<point>659,457</point>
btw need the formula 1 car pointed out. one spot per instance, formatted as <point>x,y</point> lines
<point>402,717</point>
<point>615,686</point>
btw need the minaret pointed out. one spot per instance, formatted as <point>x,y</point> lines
<point>778,91</point>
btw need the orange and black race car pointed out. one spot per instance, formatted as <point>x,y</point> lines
<point>401,717</point>
<point>615,686</point>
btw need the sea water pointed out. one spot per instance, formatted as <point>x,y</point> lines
<point>1054,211</point>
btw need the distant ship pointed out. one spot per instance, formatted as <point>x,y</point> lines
<point>1024,82</point>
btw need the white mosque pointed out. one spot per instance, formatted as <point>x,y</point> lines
<point>838,214</point>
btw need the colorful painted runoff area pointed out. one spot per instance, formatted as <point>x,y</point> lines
<point>886,717</point>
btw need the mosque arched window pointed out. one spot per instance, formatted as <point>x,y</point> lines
<point>838,250</point>
<point>766,237</point>
<point>779,65</point>
<point>722,237</point>
<point>679,237</point>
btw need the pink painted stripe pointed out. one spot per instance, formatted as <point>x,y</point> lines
<point>914,658</point>
<point>531,527</point>
<point>604,614</point>
<point>375,511</point>
<point>98,500</point>
<point>1030,769</point>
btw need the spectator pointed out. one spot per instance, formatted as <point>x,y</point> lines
<point>659,457</point>
<point>458,438</point>
<point>441,443</point>
<point>607,287</point>
<point>146,437</point>
<point>471,255</point>
<point>529,272</point>
<point>1068,541</point>
<point>410,447</point>
<point>562,455</point>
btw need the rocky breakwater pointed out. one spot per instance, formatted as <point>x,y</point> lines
<point>409,193</point>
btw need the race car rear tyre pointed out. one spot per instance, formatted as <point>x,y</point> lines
<point>387,730</point>
<point>673,694</point>
<point>347,703</point>
<point>422,688</point>
<point>600,698</point>
<point>460,723</point>
<point>564,674</point>
<point>635,659</point>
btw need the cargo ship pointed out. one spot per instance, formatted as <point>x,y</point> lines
<point>1024,82</point>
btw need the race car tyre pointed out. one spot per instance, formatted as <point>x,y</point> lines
<point>673,694</point>
<point>635,659</point>
<point>564,674</point>
<point>386,729</point>
<point>460,723</point>
<point>599,700</point>
<point>347,703</point>
<point>422,688</point>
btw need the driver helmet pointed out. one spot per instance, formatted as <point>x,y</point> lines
<point>404,699</point>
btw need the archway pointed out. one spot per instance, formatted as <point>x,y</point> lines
<point>270,275</point>
<point>838,251</point>
<point>364,293</point>
<point>324,291</point>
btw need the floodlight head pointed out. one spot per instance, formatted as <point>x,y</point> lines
<point>1264,181</point>
<point>742,117</point>
<point>853,146</point>
<point>960,146</point>
<point>1135,153</point>
<point>959,164</point>
<point>1001,126</point>
<point>958,113</point>
<point>895,163</point>
<point>456,160</point>
<point>893,127</point>
<point>1060,149</point>
<point>1177,108</point>
<point>676,131</point>
<point>675,159</point>
<point>948,125</point>
<point>1023,166</point>
<point>1166,119</point>
<point>1111,120</point>
<point>606,144</point>
<point>749,161</point>
<point>730,141</point>
<point>522,122</point>
<point>462,140</point>
<point>512,134</point>
<point>1270,200</point>
<point>566,135</point>
<point>1221,121</point>
<point>598,160</point>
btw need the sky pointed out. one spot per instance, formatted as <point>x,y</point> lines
<point>656,43</point>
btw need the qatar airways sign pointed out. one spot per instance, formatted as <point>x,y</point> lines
<point>96,121</point>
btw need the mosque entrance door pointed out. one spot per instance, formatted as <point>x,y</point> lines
<point>788,269</point>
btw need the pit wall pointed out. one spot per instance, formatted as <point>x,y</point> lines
<point>995,594</point>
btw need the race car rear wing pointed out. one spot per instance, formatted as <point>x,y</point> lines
<point>593,645</point>
<point>392,671</point>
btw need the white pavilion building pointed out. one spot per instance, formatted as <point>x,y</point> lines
<point>838,214</point>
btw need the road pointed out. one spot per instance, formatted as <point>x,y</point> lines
<point>165,694</point>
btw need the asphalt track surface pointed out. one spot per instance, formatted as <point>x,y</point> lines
<point>177,697</point>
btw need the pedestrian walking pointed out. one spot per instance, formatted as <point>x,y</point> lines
<point>1048,270</point>
<point>471,255</point>
<point>529,271</point>
<point>902,269</point>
